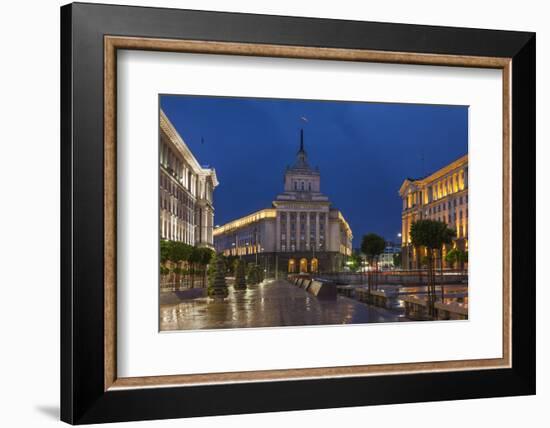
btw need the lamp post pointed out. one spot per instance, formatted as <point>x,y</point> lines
<point>236,245</point>
<point>256,244</point>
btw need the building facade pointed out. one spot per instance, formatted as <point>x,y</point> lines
<point>441,196</point>
<point>385,260</point>
<point>186,191</point>
<point>301,232</point>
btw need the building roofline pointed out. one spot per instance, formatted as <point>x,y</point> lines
<point>342,219</point>
<point>435,175</point>
<point>241,222</point>
<point>168,128</point>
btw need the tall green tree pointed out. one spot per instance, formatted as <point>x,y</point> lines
<point>165,254</point>
<point>230,264</point>
<point>452,257</point>
<point>397,260</point>
<point>464,259</point>
<point>255,274</point>
<point>431,235</point>
<point>354,261</point>
<point>179,254</point>
<point>165,251</point>
<point>372,245</point>
<point>456,258</point>
<point>173,253</point>
<point>194,260</point>
<point>205,257</point>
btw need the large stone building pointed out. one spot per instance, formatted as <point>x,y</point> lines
<point>301,232</point>
<point>441,196</point>
<point>185,191</point>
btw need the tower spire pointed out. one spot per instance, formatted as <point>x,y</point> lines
<point>301,155</point>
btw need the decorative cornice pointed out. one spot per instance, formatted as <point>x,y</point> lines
<point>257,216</point>
<point>175,138</point>
<point>421,182</point>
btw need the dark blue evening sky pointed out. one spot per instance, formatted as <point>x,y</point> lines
<point>363,150</point>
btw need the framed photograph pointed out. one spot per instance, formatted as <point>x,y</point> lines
<point>267,213</point>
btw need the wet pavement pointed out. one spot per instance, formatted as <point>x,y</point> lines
<point>271,304</point>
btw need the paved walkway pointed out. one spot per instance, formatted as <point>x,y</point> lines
<point>272,304</point>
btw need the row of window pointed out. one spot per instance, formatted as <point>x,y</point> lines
<point>175,229</point>
<point>450,218</point>
<point>447,186</point>
<point>301,238</point>
<point>175,166</point>
<point>447,205</point>
<point>312,227</point>
<point>183,174</point>
<point>303,216</point>
<point>302,247</point>
<point>181,208</point>
<point>302,186</point>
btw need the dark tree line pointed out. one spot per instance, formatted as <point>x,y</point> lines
<point>427,236</point>
<point>181,263</point>
<point>432,236</point>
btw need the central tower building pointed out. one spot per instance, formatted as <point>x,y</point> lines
<point>301,232</point>
<point>302,210</point>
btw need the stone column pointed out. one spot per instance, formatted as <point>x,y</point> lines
<point>317,231</point>
<point>308,234</point>
<point>327,231</point>
<point>210,227</point>
<point>287,230</point>
<point>278,231</point>
<point>201,225</point>
<point>205,224</point>
<point>298,231</point>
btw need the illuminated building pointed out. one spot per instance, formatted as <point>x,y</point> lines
<point>385,260</point>
<point>185,191</point>
<point>441,196</point>
<point>301,232</point>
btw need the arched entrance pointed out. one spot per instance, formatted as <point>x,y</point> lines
<point>314,265</point>
<point>291,266</point>
<point>303,265</point>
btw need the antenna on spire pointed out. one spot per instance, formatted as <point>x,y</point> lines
<point>304,120</point>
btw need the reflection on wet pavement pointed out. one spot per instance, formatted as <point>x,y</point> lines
<point>271,304</point>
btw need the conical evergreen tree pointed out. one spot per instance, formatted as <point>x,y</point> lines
<point>255,274</point>
<point>240,276</point>
<point>251,277</point>
<point>217,287</point>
